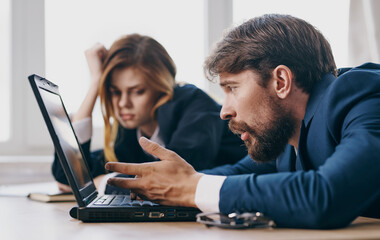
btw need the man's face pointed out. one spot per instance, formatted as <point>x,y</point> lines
<point>256,114</point>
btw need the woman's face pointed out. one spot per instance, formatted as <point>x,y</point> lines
<point>132,99</point>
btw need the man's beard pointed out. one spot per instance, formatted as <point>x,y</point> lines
<point>267,140</point>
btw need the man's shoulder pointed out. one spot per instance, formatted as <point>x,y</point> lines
<point>363,76</point>
<point>333,97</point>
<point>366,67</point>
<point>354,84</point>
<point>352,94</point>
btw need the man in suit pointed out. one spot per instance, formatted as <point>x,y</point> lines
<point>313,133</point>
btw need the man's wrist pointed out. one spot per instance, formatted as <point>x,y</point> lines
<point>207,194</point>
<point>194,184</point>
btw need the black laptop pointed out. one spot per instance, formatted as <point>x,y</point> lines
<point>92,207</point>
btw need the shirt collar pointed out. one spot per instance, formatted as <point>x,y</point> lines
<point>154,138</point>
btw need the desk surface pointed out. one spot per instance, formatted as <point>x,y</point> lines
<point>22,218</point>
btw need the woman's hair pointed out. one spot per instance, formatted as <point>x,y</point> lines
<point>262,43</point>
<point>149,58</point>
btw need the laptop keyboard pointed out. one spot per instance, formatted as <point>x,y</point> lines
<point>122,200</point>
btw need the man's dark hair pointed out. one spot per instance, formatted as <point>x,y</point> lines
<point>263,43</point>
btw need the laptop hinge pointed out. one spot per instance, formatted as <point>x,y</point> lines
<point>90,198</point>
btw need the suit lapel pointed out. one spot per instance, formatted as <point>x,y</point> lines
<point>286,162</point>
<point>302,161</point>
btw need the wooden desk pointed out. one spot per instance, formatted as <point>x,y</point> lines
<point>25,219</point>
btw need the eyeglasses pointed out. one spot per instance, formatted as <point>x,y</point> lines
<point>235,220</point>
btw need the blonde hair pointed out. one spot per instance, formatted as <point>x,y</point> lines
<point>148,57</point>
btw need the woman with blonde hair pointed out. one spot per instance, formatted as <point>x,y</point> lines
<point>135,80</point>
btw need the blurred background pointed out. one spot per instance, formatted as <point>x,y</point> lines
<point>49,37</point>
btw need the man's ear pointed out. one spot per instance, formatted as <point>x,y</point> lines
<point>282,81</point>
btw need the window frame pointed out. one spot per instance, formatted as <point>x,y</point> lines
<point>27,56</point>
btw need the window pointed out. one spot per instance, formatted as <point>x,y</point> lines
<point>4,70</point>
<point>332,21</point>
<point>49,38</point>
<point>69,31</point>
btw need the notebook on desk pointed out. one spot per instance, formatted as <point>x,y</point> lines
<point>92,207</point>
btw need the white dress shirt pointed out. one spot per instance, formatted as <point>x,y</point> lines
<point>208,192</point>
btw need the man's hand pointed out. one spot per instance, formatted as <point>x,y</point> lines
<point>171,181</point>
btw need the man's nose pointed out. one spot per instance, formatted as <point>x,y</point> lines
<point>227,112</point>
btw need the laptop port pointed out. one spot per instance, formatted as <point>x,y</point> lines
<point>155,215</point>
<point>170,215</point>
<point>182,214</point>
<point>139,214</point>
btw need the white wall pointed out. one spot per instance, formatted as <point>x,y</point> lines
<point>27,133</point>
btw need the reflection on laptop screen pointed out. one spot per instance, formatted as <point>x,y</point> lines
<point>66,137</point>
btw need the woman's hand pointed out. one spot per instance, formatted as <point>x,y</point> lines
<point>95,57</point>
<point>64,188</point>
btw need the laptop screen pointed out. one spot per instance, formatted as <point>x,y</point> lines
<point>66,137</point>
<point>65,142</point>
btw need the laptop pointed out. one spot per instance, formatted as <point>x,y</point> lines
<point>92,207</point>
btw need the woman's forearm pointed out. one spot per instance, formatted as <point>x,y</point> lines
<point>87,106</point>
